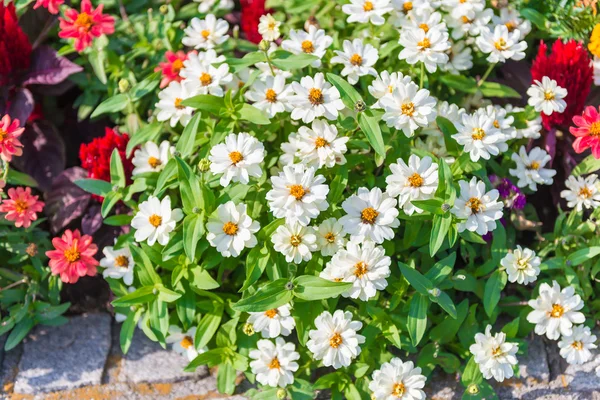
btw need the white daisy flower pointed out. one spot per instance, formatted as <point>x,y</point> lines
<point>546,96</point>
<point>576,348</point>
<point>314,42</point>
<point>290,152</point>
<point>370,215</point>
<point>205,33</point>
<point>511,18</point>
<point>397,380</point>
<point>501,45</point>
<point>555,311</point>
<point>385,83</point>
<point>530,168</point>
<point>479,136</point>
<point>417,180</point>
<point>502,121</point>
<point>239,79</point>
<point>481,209</point>
<point>270,95</point>
<point>274,364</point>
<point>407,108</point>
<point>118,263</point>
<point>460,58</point>
<point>404,10</point>
<point>274,322</point>
<point>206,58</point>
<point>364,11</point>
<point>231,230</point>
<point>205,79</point>
<point>320,146</point>
<point>358,60</point>
<point>582,192</point>
<point>459,8</point>
<point>330,237</point>
<point>298,195</point>
<point>427,47</point>
<point>494,355</point>
<point>237,159</point>
<point>169,105</point>
<point>205,6</point>
<point>533,129</point>
<point>470,26</point>
<point>522,265</point>
<point>366,266</point>
<point>426,20</point>
<point>295,242</point>
<point>315,97</point>
<point>155,220</point>
<point>151,158</point>
<point>183,342</point>
<point>268,27</point>
<point>335,341</point>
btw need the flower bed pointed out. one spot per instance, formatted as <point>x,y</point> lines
<point>321,196</point>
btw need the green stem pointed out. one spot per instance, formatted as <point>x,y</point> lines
<point>269,62</point>
<point>422,75</point>
<point>485,76</point>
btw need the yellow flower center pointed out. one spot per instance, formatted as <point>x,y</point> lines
<point>497,351</point>
<point>121,261</point>
<point>534,166</point>
<point>270,96</point>
<point>407,6</point>
<point>230,228</point>
<point>72,254</point>
<point>320,142</point>
<point>548,95</point>
<point>330,237</point>
<point>356,60</point>
<point>368,6</point>
<point>511,26</point>
<point>496,124</point>
<point>478,134</point>
<point>274,364</point>
<point>178,105</point>
<point>235,157</point>
<point>425,43</point>
<point>154,162</point>
<point>585,192</point>
<point>465,19</point>
<point>205,33</point>
<point>360,269</point>
<point>315,96</point>
<point>155,220</point>
<point>522,264</point>
<point>272,25</point>
<point>186,342</point>
<point>500,44</point>
<point>474,204</point>
<point>408,109</point>
<point>205,79</point>
<point>176,66</point>
<point>3,134</point>
<point>84,21</point>
<point>595,129</point>
<point>577,345</point>
<point>272,313</point>
<point>336,340</point>
<point>307,47</point>
<point>21,206</point>
<point>415,180</point>
<point>297,191</point>
<point>425,27</point>
<point>398,389</point>
<point>369,215</point>
<point>295,240</point>
<point>557,311</point>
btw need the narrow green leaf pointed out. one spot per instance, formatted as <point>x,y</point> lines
<point>193,230</point>
<point>348,94</point>
<point>416,279</point>
<point>94,186</point>
<point>252,114</point>
<point>493,290</point>
<point>270,296</point>
<point>117,173</point>
<point>205,102</point>
<point>417,318</point>
<point>111,105</point>
<point>370,127</point>
<point>310,287</point>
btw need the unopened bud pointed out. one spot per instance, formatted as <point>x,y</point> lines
<point>281,394</point>
<point>289,286</point>
<point>115,188</point>
<point>124,85</point>
<point>360,106</point>
<point>204,165</point>
<point>473,388</point>
<point>311,21</point>
<point>31,250</point>
<point>164,9</point>
<point>446,207</point>
<point>264,45</point>
<point>248,329</point>
<point>155,291</point>
<point>435,292</point>
<point>195,210</point>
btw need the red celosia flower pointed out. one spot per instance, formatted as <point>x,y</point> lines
<point>95,156</point>
<point>21,207</point>
<point>570,66</point>
<point>9,142</point>
<point>15,49</point>
<point>587,131</point>
<point>86,25</point>
<point>170,69</point>
<point>252,10</point>
<point>50,5</point>
<point>73,256</point>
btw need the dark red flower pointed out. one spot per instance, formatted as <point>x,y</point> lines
<point>569,64</point>
<point>252,10</point>
<point>95,156</point>
<point>15,49</point>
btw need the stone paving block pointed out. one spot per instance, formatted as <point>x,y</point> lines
<point>64,357</point>
<point>147,362</point>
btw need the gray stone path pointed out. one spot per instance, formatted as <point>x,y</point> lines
<point>82,360</point>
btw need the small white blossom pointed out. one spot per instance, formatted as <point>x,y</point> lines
<point>501,45</point>
<point>466,8</point>
<point>118,263</point>
<point>427,47</point>
<point>460,58</point>
<point>313,98</point>
<point>270,95</point>
<point>479,136</point>
<point>576,348</point>
<point>155,220</point>
<point>358,60</point>
<point>274,322</point>
<point>367,11</point>
<point>582,192</point>
<point>502,121</point>
<point>481,209</point>
<point>426,20</point>
<point>295,242</point>
<point>274,364</point>
<point>169,105</point>
<point>202,78</point>
<point>530,168</point>
<point>547,97</point>
<point>319,146</point>
<point>468,27</point>
<point>494,355</point>
<point>206,33</point>
<point>231,230</point>
<point>314,42</point>
<point>268,27</point>
<point>417,180</point>
<point>183,342</point>
<point>522,265</point>
<point>408,108</point>
<point>237,159</point>
<point>385,83</point>
<point>330,237</point>
<point>511,18</point>
<point>151,158</point>
<point>397,380</point>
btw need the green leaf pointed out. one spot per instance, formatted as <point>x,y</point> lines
<point>587,166</point>
<point>348,94</point>
<point>143,295</point>
<point>144,268</point>
<point>118,220</point>
<point>145,87</point>
<point>433,206</point>
<point>148,133</point>
<point>165,176</point>
<point>94,186</point>
<point>117,173</point>
<point>189,187</point>
<point>493,290</point>
<point>471,374</point>
<point>96,58</point>
<point>494,89</point>
<point>237,64</point>
<point>256,262</point>
<point>583,255</point>
<point>210,358</point>
<point>193,230</point>
<point>416,279</point>
<point>205,102</point>
<point>15,177</point>
<point>269,296</point>
<point>535,17</point>
<point>287,61</point>
<point>201,279</point>
<point>310,287</point>
<point>461,83</point>
<point>446,303</point>
<point>208,325</point>
<point>417,318</point>
<point>370,127</point>
<point>111,105</point>
<point>128,328</point>
<point>448,129</point>
<point>19,332</point>
<point>252,114</point>
<point>338,185</point>
<point>446,330</point>
<point>226,378</point>
<point>439,230</point>
<point>167,295</point>
<point>441,269</point>
<point>109,202</point>
<point>185,144</point>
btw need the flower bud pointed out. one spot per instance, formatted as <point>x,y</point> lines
<point>32,250</point>
<point>264,45</point>
<point>164,9</point>
<point>281,393</point>
<point>446,207</point>
<point>360,106</point>
<point>473,388</point>
<point>435,292</point>
<point>124,85</point>
<point>248,329</point>
<point>289,286</point>
<point>204,165</point>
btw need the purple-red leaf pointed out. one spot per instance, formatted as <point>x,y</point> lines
<point>66,201</point>
<point>48,68</point>
<point>92,220</point>
<point>21,105</point>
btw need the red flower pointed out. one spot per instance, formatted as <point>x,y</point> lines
<point>50,5</point>
<point>15,49</point>
<point>95,156</point>
<point>21,207</point>
<point>252,10</point>
<point>9,142</point>
<point>170,69</point>
<point>86,25</point>
<point>570,66</point>
<point>587,131</point>
<point>73,256</point>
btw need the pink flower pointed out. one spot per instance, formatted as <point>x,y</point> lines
<point>86,25</point>
<point>73,257</point>
<point>587,131</point>
<point>9,132</point>
<point>50,5</point>
<point>170,69</point>
<point>21,207</point>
